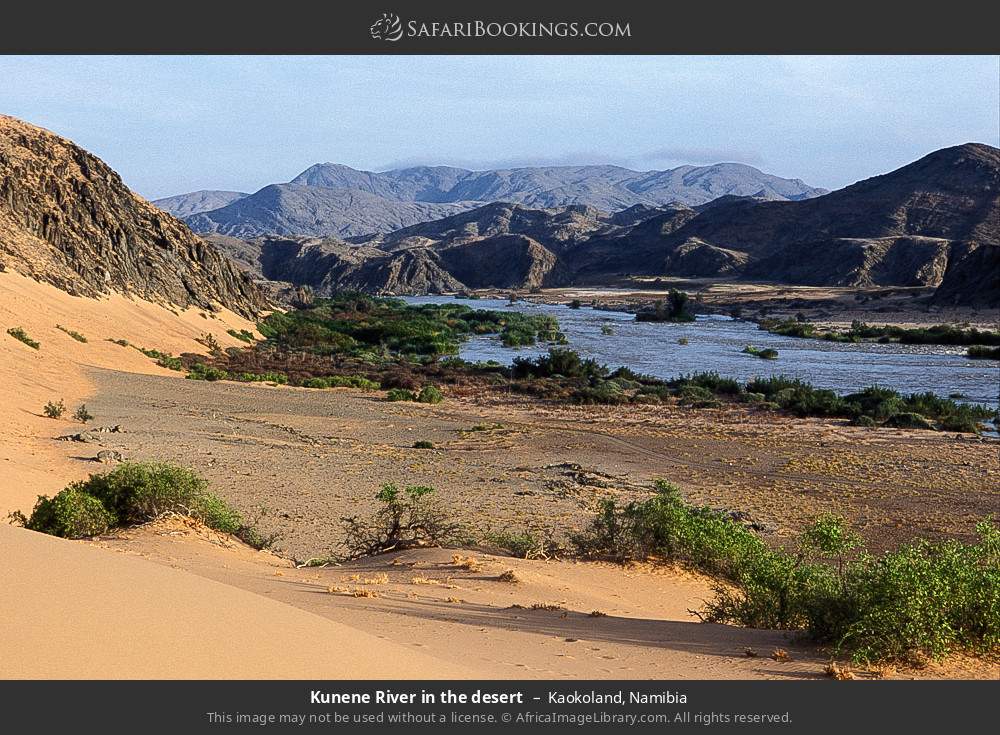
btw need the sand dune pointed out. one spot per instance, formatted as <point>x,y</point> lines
<point>78,612</point>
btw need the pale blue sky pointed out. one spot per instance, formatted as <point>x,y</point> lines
<point>176,124</point>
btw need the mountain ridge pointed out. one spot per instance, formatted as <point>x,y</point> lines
<point>320,202</point>
<point>934,223</point>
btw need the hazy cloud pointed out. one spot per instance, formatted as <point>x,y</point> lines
<point>581,158</point>
<point>702,156</point>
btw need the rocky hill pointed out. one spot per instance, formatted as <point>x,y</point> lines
<point>903,228</point>
<point>334,200</point>
<point>67,219</point>
<point>934,223</point>
<point>292,209</point>
<point>184,205</point>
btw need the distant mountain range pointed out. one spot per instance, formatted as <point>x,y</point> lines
<point>935,222</point>
<point>332,199</point>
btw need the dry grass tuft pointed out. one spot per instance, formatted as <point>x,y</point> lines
<point>838,672</point>
<point>551,606</point>
<point>881,671</point>
<point>352,591</point>
<point>377,579</point>
<point>470,563</point>
<point>780,655</point>
<point>510,577</point>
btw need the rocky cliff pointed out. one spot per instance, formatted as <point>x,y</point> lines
<point>67,219</point>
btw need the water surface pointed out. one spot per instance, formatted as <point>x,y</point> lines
<point>715,343</point>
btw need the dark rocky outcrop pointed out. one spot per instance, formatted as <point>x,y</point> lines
<point>67,219</point>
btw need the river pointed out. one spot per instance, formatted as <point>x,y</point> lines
<point>715,343</point>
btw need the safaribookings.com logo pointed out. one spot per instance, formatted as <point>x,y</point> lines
<point>387,28</point>
<point>390,28</point>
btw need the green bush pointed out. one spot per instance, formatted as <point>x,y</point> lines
<point>523,544</point>
<point>82,414</point>
<point>170,362</point>
<point>400,394</point>
<point>201,371</point>
<point>72,513</point>
<point>908,420</point>
<point>75,335</point>
<point>765,354</point>
<point>403,520</point>
<point>268,377</point>
<point>923,599</point>
<point>135,493</point>
<point>423,444</point>
<point>430,394</point>
<point>244,335</point>
<point>676,308</point>
<point>342,381</point>
<point>54,410</point>
<point>18,333</point>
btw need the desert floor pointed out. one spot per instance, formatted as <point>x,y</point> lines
<point>311,457</point>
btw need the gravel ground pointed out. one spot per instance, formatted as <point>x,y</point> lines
<point>312,456</point>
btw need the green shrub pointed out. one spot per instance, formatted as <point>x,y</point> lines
<point>54,410</point>
<point>400,394</point>
<point>403,520</point>
<point>765,354</point>
<point>201,371</point>
<point>18,333</point>
<point>908,420</point>
<point>244,335</point>
<point>523,544</point>
<point>676,308</point>
<point>423,444</point>
<point>72,513</point>
<point>135,493</point>
<point>925,598</point>
<point>575,304</point>
<point>342,381</point>
<point>430,394</point>
<point>82,414</point>
<point>75,335</point>
<point>139,492</point>
<point>170,362</point>
<point>268,377</point>
<point>605,392</point>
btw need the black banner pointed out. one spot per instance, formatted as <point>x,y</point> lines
<point>516,27</point>
<point>498,706</point>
